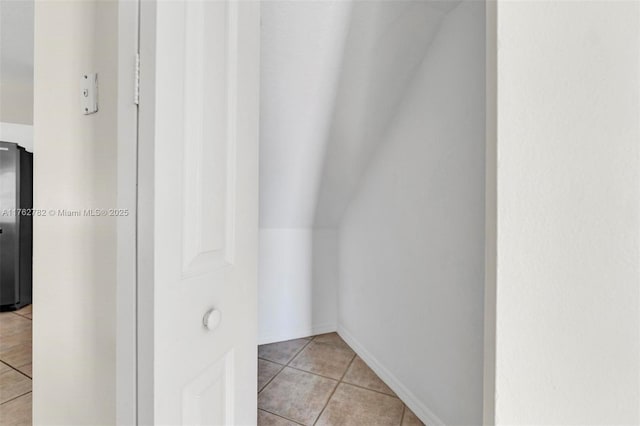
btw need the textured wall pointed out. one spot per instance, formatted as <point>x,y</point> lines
<point>302,48</point>
<point>568,305</point>
<point>16,61</point>
<point>411,290</point>
<point>74,258</point>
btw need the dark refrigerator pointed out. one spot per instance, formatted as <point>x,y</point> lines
<point>16,226</point>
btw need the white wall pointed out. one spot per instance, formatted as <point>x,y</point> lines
<point>333,73</point>
<point>302,44</point>
<point>21,134</point>
<point>568,306</point>
<point>16,61</point>
<point>74,257</point>
<point>301,56</point>
<point>298,283</point>
<point>386,43</point>
<point>412,241</point>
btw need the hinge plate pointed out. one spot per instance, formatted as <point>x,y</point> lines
<point>89,93</point>
<point>136,89</point>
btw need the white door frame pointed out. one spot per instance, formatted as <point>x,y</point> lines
<point>134,268</point>
<point>490,252</point>
<point>145,230</point>
<point>127,198</point>
<point>242,271</point>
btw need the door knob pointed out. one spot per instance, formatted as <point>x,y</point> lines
<point>212,318</point>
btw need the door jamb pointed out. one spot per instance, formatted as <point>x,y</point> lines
<point>127,170</point>
<point>145,250</point>
<point>491,205</point>
<point>135,255</point>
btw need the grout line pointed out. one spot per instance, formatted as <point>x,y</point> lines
<point>347,369</point>
<point>21,316</point>
<point>17,311</point>
<point>268,360</point>
<point>299,351</point>
<point>282,417</point>
<point>314,374</point>
<point>335,388</point>
<point>271,379</point>
<point>16,397</point>
<point>342,381</point>
<point>292,357</point>
<point>16,369</point>
<point>371,390</point>
<point>339,381</point>
<point>282,366</point>
<point>339,347</point>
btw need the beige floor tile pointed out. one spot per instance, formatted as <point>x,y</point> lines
<point>332,339</point>
<point>14,339</point>
<point>5,314</point>
<point>17,356</point>
<point>16,412</point>
<point>27,369</point>
<point>296,395</point>
<point>281,352</point>
<point>268,419</point>
<point>360,374</point>
<point>12,324</point>
<point>29,315</point>
<point>12,384</point>
<point>326,360</point>
<point>266,371</point>
<point>410,419</point>
<point>25,310</point>
<point>354,406</point>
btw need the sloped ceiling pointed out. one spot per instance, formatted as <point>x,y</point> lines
<point>302,43</point>
<point>333,75</point>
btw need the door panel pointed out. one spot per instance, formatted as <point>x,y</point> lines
<point>210,92</point>
<point>212,388</point>
<point>199,128</point>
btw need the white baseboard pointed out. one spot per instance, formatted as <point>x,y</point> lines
<point>425,414</point>
<point>282,335</point>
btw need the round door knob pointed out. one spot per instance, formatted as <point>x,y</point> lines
<point>212,318</point>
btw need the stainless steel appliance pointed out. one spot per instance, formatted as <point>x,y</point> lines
<point>16,226</point>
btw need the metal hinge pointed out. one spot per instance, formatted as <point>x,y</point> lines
<point>136,89</point>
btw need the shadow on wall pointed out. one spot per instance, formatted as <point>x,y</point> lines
<point>393,255</point>
<point>298,283</point>
<point>302,44</point>
<point>326,109</point>
<point>412,240</point>
<point>386,44</point>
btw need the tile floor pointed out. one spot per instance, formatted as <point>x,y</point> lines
<point>321,381</point>
<point>313,381</point>
<point>15,367</point>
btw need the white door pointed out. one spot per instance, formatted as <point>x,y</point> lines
<point>198,212</point>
